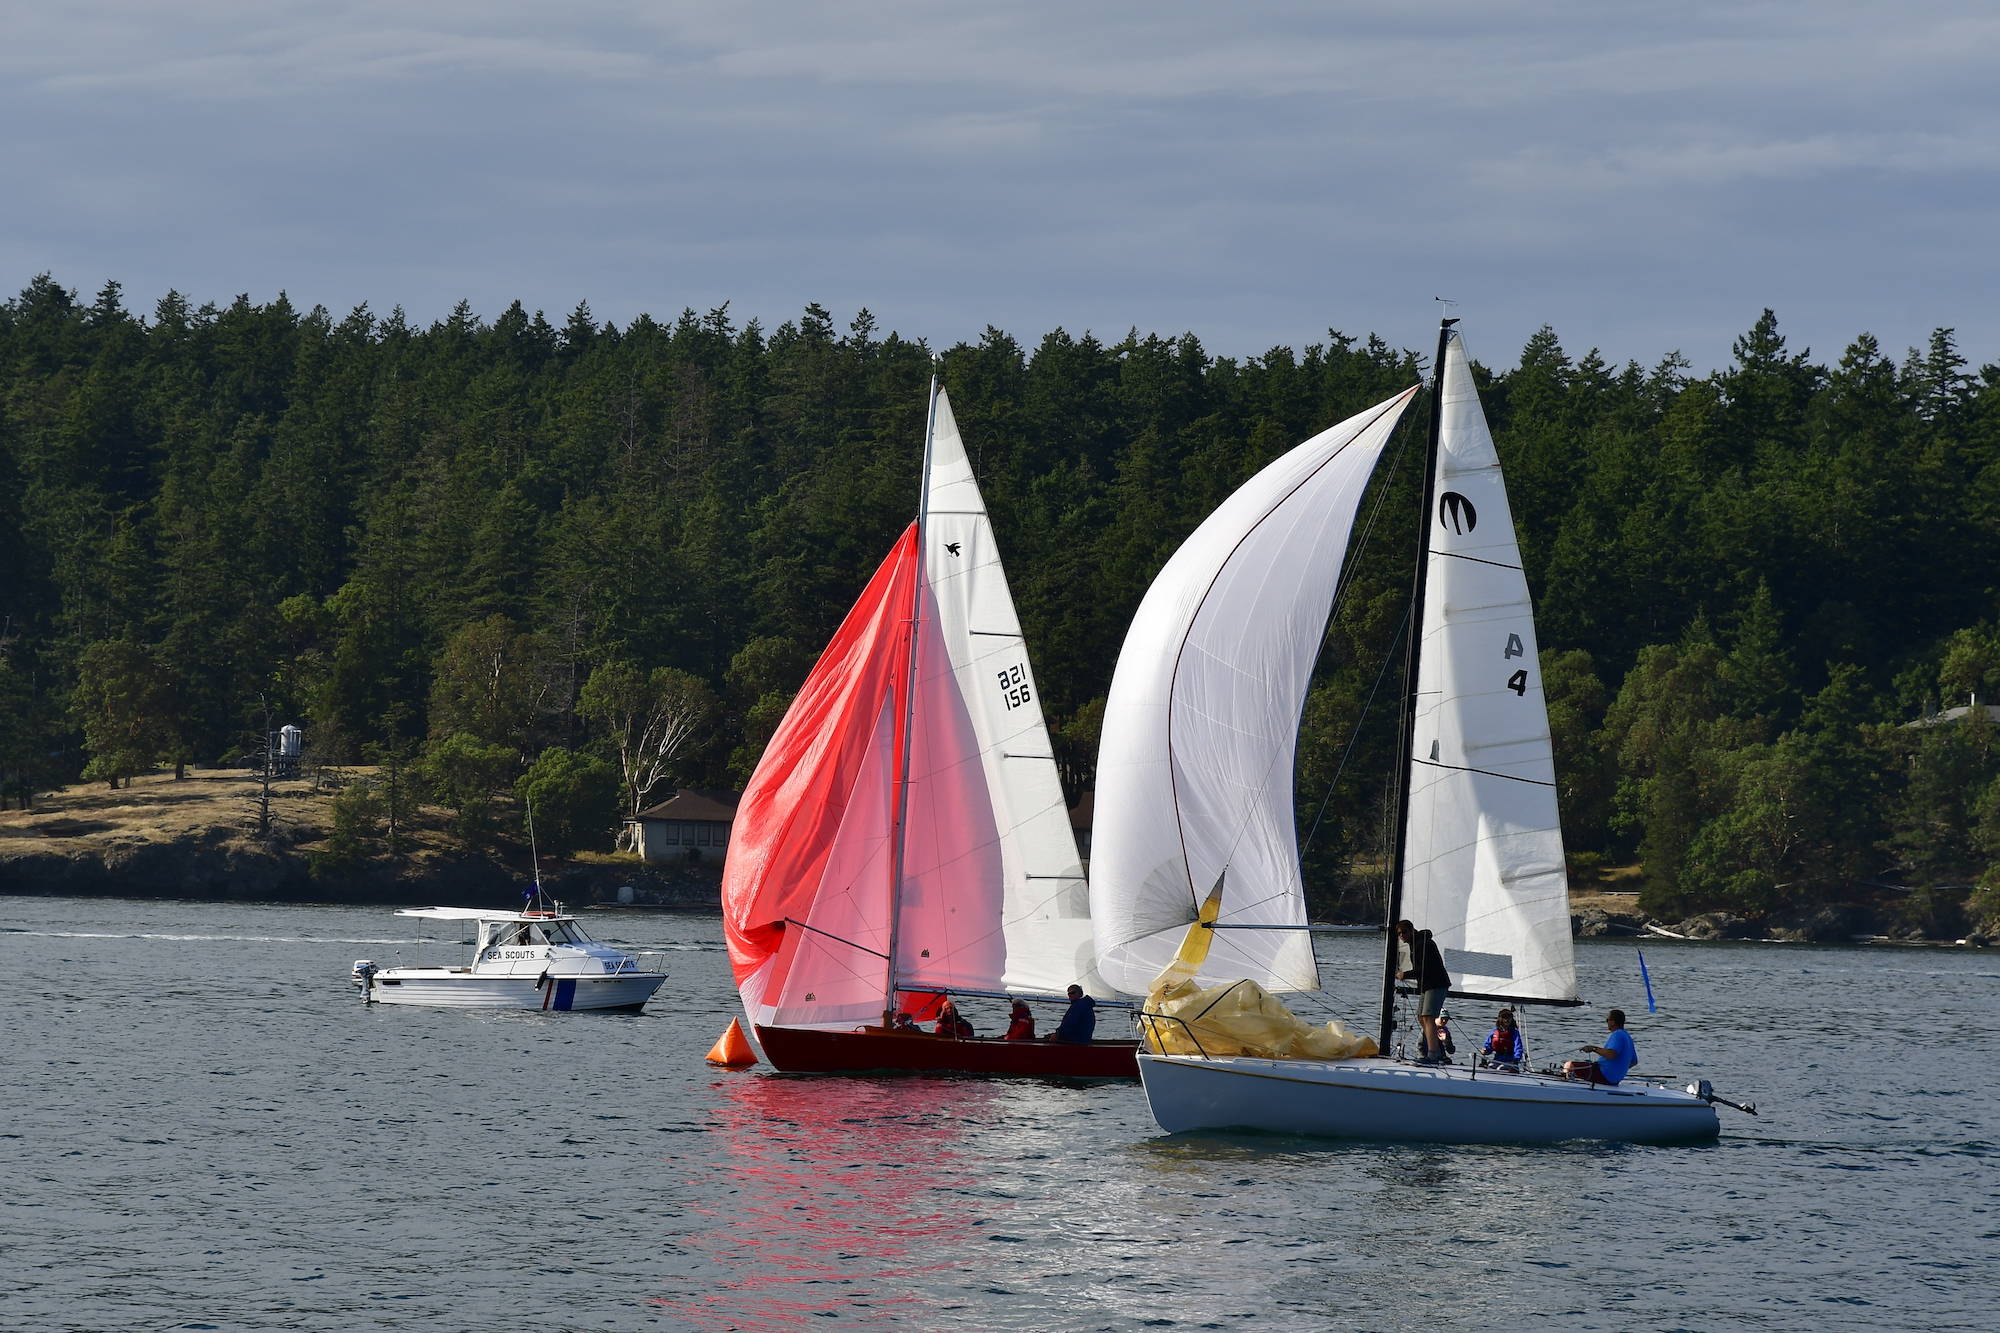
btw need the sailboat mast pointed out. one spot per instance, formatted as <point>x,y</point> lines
<point>1412,651</point>
<point>909,705</point>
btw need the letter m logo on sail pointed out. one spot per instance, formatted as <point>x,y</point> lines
<point>1456,512</point>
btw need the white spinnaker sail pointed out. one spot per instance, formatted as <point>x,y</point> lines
<point>1011,914</point>
<point>1484,869</point>
<point>1194,768</point>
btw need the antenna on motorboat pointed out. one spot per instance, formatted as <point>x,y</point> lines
<point>535,899</point>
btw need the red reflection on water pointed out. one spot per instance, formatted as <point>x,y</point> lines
<point>829,1197</point>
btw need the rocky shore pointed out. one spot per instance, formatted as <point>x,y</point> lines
<point>1841,924</point>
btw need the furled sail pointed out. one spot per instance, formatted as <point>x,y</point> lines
<point>1194,770</point>
<point>1484,868</point>
<point>993,894</point>
<point>806,890</point>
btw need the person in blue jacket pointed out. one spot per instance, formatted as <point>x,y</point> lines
<point>1614,1057</point>
<point>1079,1021</point>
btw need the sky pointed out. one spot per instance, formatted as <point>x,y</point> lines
<point>1643,178</point>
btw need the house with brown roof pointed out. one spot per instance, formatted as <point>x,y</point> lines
<point>691,827</point>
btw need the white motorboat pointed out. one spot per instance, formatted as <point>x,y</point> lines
<point>1195,789</point>
<point>520,960</point>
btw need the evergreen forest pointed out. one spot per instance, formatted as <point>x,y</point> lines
<point>504,559</point>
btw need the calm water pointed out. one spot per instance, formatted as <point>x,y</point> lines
<point>204,1129</point>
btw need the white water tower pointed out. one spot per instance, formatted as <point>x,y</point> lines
<point>291,744</point>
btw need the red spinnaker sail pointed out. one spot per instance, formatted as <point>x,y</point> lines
<point>827,755</point>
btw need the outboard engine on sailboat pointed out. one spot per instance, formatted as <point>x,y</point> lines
<point>1705,1090</point>
<point>363,973</point>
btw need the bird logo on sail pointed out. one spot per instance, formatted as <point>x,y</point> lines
<point>1457,513</point>
<point>951,547</point>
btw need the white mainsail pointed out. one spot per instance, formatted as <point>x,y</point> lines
<point>1483,866</point>
<point>1194,770</point>
<point>993,894</point>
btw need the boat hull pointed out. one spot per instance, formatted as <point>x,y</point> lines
<point>627,990</point>
<point>1390,1100</point>
<point>875,1051</point>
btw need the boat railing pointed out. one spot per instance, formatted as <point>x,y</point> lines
<point>642,960</point>
<point>1148,1023</point>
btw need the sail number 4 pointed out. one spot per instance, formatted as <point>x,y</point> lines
<point>1518,682</point>
<point>1014,686</point>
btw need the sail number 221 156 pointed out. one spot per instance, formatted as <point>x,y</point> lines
<point>1014,686</point>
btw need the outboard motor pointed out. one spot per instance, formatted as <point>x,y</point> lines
<point>364,974</point>
<point>1705,1090</point>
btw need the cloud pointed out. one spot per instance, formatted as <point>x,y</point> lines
<point>1254,172</point>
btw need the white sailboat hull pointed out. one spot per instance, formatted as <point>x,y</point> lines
<point>447,989</point>
<point>1394,1101</point>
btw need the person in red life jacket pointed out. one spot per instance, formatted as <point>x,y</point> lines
<point>949,1024</point>
<point>1504,1047</point>
<point>1020,1023</point>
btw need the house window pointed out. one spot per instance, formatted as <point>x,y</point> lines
<point>702,834</point>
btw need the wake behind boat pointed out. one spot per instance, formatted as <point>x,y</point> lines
<point>520,960</point>
<point>904,836</point>
<point>1195,788</point>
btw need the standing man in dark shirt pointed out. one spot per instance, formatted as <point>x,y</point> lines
<point>1431,982</point>
<point>1079,1021</point>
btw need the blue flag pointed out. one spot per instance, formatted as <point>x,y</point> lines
<point>1651,1007</point>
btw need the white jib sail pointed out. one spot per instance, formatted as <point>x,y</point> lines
<point>1484,869</point>
<point>1194,768</point>
<point>1019,921</point>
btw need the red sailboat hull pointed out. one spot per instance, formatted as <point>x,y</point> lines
<point>878,1051</point>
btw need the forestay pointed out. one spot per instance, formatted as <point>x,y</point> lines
<point>1484,868</point>
<point>1194,776</point>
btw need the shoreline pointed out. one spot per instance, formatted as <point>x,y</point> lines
<point>195,839</point>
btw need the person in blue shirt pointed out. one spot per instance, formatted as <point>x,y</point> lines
<point>1079,1021</point>
<point>1614,1057</point>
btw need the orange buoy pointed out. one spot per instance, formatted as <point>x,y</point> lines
<point>732,1048</point>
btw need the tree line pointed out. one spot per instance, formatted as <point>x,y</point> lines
<point>509,557</point>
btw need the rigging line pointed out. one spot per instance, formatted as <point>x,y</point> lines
<point>1483,772</point>
<point>1347,575</point>
<point>1354,735</point>
<point>794,921</point>
<point>1497,564</point>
